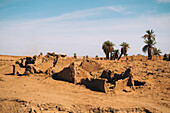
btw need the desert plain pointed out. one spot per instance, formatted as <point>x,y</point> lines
<point>56,83</point>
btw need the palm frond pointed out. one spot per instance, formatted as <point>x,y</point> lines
<point>125,45</point>
<point>157,51</point>
<point>107,45</point>
<point>151,31</point>
<point>145,36</point>
<point>150,42</point>
<point>145,48</point>
<point>153,37</point>
<point>149,35</point>
<point>148,31</point>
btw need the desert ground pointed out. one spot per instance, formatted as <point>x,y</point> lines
<point>55,83</point>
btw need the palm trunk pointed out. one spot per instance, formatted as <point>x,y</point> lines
<point>122,52</point>
<point>114,56</point>
<point>125,52</point>
<point>120,56</point>
<point>149,54</point>
<point>107,55</point>
<point>111,56</point>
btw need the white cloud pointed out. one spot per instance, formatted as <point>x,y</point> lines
<point>163,0</point>
<point>81,14</point>
<point>116,8</point>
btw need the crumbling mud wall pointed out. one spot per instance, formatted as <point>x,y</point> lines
<point>47,63</point>
<point>77,75</point>
<point>67,74</point>
<point>62,63</point>
<point>96,84</point>
<point>17,70</point>
<point>91,73</point>
<point>124,85</point>
<point>90,65</point>
<point>73,74</point>
<point>38,64</point>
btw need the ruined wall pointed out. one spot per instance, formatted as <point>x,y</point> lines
<point>73,74</point>
<point>90,65</point>
<point>46,64</point>
<point>39,64</point>
<point>96,84</point>
<point>121,84</point>
<point>17,69</point>
<point>67,74</point>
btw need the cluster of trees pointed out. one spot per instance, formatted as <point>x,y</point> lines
<point>108,48</point>
<point>149,40</point>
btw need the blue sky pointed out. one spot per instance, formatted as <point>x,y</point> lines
<point>28,27</point>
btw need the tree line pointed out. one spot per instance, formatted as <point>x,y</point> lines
<point>150,48</point>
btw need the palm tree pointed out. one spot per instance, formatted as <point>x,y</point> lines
<point>107,48</point>
<point>157,51</point>
<point>149,47</point>
<point>149,35</point>
<point>111,52</point>
<point>124,49</point>
<point>116,54</point>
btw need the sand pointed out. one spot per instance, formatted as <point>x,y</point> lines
<point>41,93</point>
